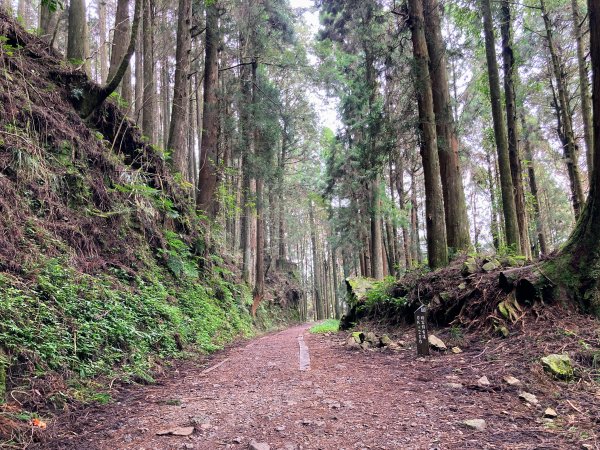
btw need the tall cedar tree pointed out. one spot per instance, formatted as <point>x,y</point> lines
<point>437,250</point>
<point>511,225</point>
<point>516,170</point>
<point>177,142</point>
<point>455,206</point>
<point>582,252</point>
<point>207,178</point>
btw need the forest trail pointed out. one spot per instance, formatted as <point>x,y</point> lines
<point>346,400</point>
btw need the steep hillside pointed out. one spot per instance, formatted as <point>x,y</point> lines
<point>103,266</point>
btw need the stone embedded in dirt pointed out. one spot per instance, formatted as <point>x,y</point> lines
<point>358,336</point>
<point>253,445</point>
<point>454,385</point>
<point>528,397</point>
<point>483,381</point>
<point>352,344</point>
<point>550,413</point>
<point>385,340</point>
<point>177,431</point>
<point>280,428</point>
<point>456,350</point>
<point>475,424</point>
<point>559,366</point>
<point>469,267</point>
<point>365,345</point>
<point>491,265</point>
<point>436,343</point>
<point>512,381</point>
<point>372,339</point>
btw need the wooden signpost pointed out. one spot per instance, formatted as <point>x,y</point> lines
<point>421,329</point>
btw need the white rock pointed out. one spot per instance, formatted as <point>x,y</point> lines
<point>528,397</point>
<point>475,424</point>
<point>550,413</point>
<point>253,445</point>
<point>483,381</point>
<point>512,381</point>
<point>456,350</point>
<point>436,342</point>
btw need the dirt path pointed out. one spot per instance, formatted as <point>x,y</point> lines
<point>345,400</point>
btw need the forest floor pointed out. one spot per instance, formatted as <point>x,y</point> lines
<point>349,399</point>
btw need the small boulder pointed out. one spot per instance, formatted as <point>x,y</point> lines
<point>469,267</point>
<point>365,345</point>
<point>436,343</point>
<point>528,397</point>
<point>490,266</point>
<point>385,340</point>
<point>512,381</point>
<point>358,336</point>
<point>253,445</point>
<point>352,344</point>
<point>550,413</point>
<point>483,381</point>
<point>475,424</point>
<point>559,366</point>
<point>372,339</point>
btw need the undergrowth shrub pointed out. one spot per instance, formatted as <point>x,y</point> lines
<point>84,325</point>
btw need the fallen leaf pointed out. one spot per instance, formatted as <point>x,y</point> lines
<point>39,423</point>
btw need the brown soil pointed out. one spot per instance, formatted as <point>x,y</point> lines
<point>357,399</point>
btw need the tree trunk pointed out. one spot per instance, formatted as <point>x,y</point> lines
<point>506,185</point>
<point>455,207</point>
<point>179,118</point>
<point>121,37</point>
<point>539,224</point>
<point>315,260</point>
<point>437,250</point>
<point>259,284</point>
<point>566,119</point>
<point>78,47</point>
<point>48,24</point>
<point>102,45</point>
<point>402,203</point>
<point>516,169</point>
<point>579,261</point>
<point>148,107</point>
<point>584,93</point>
<point>207,179</point>
<point>494,228</point>
<point>139,77</point>
<point>376,237</point>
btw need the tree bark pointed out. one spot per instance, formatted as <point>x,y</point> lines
<point>78,48</point>
<point>584,93</point>
<point>148,107</point>
<point>455,207</point>
<point>437,250</point>
<point>539,224</point>
<point>259,284</point>
<point>48,23</point>
<point>121,38</point>
<point>102,45</point>
<point>516,169</point>
<point>315,268</point>
<point>565,118</point>
<point>179,118</point>
<point>93,99</point>
<point>376,236</point>
<point>207,179</point>
<point>511,225</point>
<point>582,252</point>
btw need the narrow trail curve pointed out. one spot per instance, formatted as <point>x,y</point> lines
<point>346,400</point>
